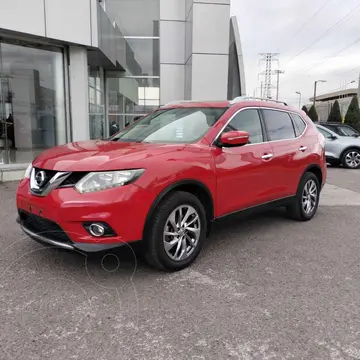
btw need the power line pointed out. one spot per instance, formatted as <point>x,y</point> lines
<point>334,55</point>
<point>304,25</point>
<point>326,59</point>
<point>327,32</point>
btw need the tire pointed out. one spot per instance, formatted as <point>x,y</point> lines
<point>296,209</point>
<point>351,159</point>
<point>334,163</point>
<point>177,203</point>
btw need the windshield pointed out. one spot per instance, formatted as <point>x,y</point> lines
<point>346,131</point>
<point>342,130</point>
<point>180,125</point>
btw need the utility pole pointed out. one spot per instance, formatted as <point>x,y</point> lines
<point>278,72</point>
<point>268,58</point>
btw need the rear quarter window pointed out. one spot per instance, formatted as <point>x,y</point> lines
<point>299,124</point>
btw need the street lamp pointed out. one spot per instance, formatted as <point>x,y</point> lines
<point>299,93</point>
<point>315,85</point>
<point>346,84</point>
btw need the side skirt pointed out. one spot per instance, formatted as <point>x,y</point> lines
<point>256,209</point>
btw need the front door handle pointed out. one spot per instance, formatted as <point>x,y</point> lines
<point>303,148</point>
<point>267,156</point>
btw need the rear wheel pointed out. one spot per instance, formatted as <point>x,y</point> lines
<point>306,202</point>
<point>177,232</point>
<point>351,159</point>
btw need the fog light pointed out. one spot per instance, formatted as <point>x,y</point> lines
<point>97,230</point>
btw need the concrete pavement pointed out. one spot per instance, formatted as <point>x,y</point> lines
<point>263,288</point>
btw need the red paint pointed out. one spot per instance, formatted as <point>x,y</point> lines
<point>236,177</point>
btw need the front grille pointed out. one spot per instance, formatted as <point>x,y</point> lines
<point>73,178</point>
<point>44,227</point>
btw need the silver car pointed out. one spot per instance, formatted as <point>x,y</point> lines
<point>344,150</point>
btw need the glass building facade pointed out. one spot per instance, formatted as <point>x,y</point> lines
<point>32,101</point>
<point>136,91</point>
<point>123,61</point>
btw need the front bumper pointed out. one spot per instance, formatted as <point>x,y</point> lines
<point>65,211</point>
<point>45,240</point>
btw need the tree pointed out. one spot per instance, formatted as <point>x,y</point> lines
<point>352,116</point>
<point>335,114</point>
<point>304,108</point>
<point>313,114</point>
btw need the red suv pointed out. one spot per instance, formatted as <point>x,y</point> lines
<point>164,179</point>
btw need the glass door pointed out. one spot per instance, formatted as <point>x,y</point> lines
<point>6,119</point>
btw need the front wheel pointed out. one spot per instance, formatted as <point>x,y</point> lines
<point>351,159</point>
<point>305,204</point>
<point>176,233</point>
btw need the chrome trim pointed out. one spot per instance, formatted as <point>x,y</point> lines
<point>267,156</point>
<point>261,108</point>
<point>53,183</point>
<point>303,148</point>
<point>45,239</point>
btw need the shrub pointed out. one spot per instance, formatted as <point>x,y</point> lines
<point>313,114</point>
<point>352,116</point>
<point>335,114</point>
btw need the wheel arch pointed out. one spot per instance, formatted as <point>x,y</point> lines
<point>316,170</point>
<point>195,187</point>
<point>347,149</point>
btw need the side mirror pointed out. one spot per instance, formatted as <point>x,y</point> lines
<point>234,138</point>
<point>333,137</point>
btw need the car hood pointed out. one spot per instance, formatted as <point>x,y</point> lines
<point>100,155</point>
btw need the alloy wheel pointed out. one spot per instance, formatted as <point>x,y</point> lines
<point>309,196</point>
<point>352,159</point>
<point>181,232</point>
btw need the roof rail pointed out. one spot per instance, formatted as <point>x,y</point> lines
<point>178,102</point>
<point>247,98</point>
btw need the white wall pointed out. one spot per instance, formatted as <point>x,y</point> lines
<point>79,94</point>
<point>194,49</point>
<point>23,15</point>
<point>172,50</point>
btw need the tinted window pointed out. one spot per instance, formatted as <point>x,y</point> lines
<point>298,124</point>
<point>325,133</point>
<point>342,130</point>
<point>278,125</point>
<point>248,120</point>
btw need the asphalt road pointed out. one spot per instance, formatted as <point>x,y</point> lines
<point>263,288</point>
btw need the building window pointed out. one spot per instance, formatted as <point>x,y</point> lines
<point>130,98</point>
<point>143,57</point>
<point>96,103</point>
<point>32,101</point>
<point>135,17</point>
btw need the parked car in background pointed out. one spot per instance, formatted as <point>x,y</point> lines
<point>340,129</point>
<point>167,177</point>
<point>341,149</point>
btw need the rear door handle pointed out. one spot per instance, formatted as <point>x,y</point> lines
<point>267,156</point>
<point>303,148</point>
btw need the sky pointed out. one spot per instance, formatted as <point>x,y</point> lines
<point>316,41</point>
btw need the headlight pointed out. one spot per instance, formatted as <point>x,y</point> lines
<point>27,172</point>
<point>97,181</point>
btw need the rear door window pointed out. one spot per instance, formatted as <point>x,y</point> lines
<point>278,124</point>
